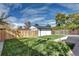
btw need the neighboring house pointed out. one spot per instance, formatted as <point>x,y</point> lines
<point>40,30</point>
<point>44,30</point>
<point>33,28</point>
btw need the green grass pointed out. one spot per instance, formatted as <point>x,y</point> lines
<point>51,36</point>
<point>40,46</point>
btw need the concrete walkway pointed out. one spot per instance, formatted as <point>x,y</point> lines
<point>76,50</point>
<point>74,40</point>
<point>1,47</point>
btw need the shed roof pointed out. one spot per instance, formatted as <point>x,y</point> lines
<point>33,28</point>
<point>43,27</point>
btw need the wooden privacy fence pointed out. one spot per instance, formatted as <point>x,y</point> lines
<point>9,34</point>
<point>27,33</point>
<point>2,34</point>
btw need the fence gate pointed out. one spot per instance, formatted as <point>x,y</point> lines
<point>2,34</point>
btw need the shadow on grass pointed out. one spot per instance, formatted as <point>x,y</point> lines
<point>71,45</point>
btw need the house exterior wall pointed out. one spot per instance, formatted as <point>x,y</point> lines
<point>44,32</point>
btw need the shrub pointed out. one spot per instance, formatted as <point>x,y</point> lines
<point>40,46</point>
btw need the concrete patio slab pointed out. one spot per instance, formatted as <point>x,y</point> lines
<point>1,47</point>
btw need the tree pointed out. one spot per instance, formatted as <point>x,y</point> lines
<point>36,24</point>
<point>2,17</point>
<point>20,27</point>
<point>48,25</point>
<point>71,21</point>
<point>27,24</point>
<point>60,19</point>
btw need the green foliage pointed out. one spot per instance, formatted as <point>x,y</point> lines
<point>41,46</point>
<point>58,47</point>
<point>61,19</point>
<point>2,17</point>
<point>70,21</point>
<point>47,37</point>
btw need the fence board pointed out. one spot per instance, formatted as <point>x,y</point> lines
<point>2,34</point>
<point>9,34</point>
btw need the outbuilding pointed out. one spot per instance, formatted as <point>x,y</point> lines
<point>44,30</point>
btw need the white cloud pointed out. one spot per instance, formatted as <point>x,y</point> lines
<point>32,11</point>
<point>15,25</point>
<point>4,9</point>
<point>52,23</point>
<point>11,19</point>
<point>18,24</point>
<point>14,22</point>
<point>34,14</point>
<point>73,6</point>
<point>14,5</point>
<point>45,22</point>
<point>37,19</point>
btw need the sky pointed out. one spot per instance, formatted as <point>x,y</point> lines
<point>36,13</point>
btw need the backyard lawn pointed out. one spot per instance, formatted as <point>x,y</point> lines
<point>51,37</point>
<point>41,46</point>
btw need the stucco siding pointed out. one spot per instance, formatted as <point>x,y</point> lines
<point>44,32</point>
